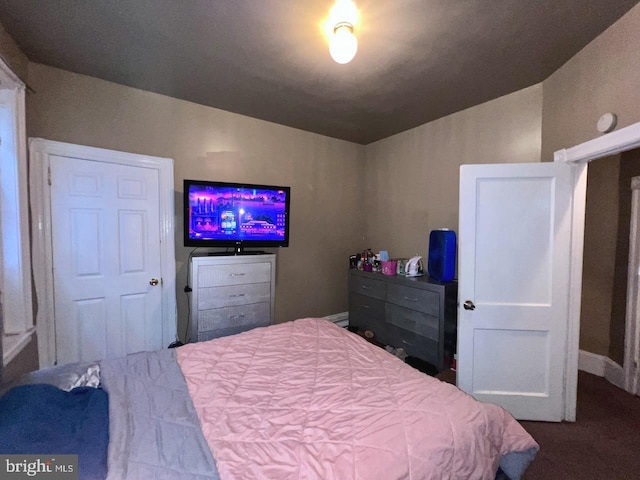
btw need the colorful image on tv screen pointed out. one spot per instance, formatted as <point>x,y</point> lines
<point>231,213</point>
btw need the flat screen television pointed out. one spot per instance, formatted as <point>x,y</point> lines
<point>238,215</point>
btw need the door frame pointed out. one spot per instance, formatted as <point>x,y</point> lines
<point>579,156</point>
<point>631,372</point>
<point>16,308</point>
<point>40,152</point>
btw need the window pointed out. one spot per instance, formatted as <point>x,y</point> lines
<point>15,261</point>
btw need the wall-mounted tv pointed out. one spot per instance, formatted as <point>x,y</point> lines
<point>238,215</point>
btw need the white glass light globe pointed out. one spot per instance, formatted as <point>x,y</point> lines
<point>343,44</point>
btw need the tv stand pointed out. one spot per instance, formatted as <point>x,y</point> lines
<point>231,294</point>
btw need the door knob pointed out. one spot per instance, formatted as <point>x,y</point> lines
<point>154,281</point>
<point>468,305</point>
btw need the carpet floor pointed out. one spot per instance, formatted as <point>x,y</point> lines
<point>604,442</point>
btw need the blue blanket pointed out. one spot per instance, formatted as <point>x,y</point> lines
<point>42,419</point>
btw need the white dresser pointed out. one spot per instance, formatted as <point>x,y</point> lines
<point>231,294</point>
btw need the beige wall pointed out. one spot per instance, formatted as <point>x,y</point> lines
<point>603,77</point>
<point>601,231</point>
<point>411,180</point>
<point>388,195</point>
<point>207,143</point>
<point>12,55</point>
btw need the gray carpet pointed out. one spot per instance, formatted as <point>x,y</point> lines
<point>604,442</point>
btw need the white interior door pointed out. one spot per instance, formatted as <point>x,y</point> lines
<point>105,226</point>
<point>514,268</point>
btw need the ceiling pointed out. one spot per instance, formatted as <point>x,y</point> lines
<point>417,60</point>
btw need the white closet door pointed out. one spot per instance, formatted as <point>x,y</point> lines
<point>106,259</point>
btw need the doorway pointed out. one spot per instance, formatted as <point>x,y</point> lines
<point>626,335</point>
<point>103,250</point>
<point>608,270</point>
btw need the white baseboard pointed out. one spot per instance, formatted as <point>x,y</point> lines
<point>12,345</point>
<point>340,319</point>
<point>601,366</point>
<point>614,373</point>
<point>592,363</point>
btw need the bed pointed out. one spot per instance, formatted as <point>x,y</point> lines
<point>299,400</point>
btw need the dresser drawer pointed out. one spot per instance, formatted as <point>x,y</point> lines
<point>233,274</point>
<point>379,328</point>
<point>415,299</point>
<point>223,332</point>
<point>416,346</point>
<point>254,315</point>
<point>216,297</point>
<point>413,321</point>
<point>367,306</point>
<point>367,313</point>
<point>368,286</point>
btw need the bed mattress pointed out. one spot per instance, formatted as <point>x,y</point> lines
<point>299,400</point>
<point>310,400</point>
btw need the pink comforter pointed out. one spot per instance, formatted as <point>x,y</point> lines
<point>309,400</point>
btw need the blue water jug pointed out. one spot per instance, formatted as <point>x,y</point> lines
<point>442,255</point>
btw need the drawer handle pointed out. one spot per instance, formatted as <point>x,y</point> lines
<point>411,299</point>
<point>235,317</point>
<point>364,287</point>
<point>237,295</point>
<point>365,306</point>
<point>237,274</point>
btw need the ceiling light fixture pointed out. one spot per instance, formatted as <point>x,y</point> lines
<point>343,44</point>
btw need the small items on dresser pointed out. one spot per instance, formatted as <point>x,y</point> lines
<point>441,263</point>
<point>367,261</point>
<point>414,267</point>
<point>401,266</point>
<point>389,267</point>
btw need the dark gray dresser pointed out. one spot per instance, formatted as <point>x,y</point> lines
<point>417,314</point>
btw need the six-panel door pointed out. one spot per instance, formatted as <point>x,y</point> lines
<point>106,253</point>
